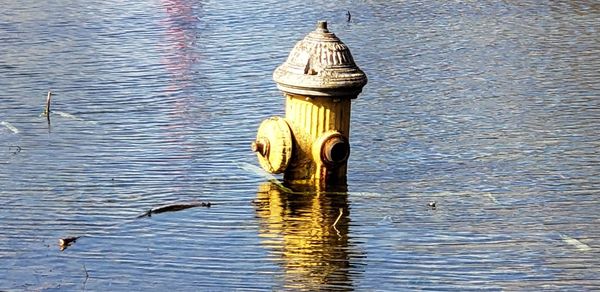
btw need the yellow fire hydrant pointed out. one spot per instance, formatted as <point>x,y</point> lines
<point>311,144</point>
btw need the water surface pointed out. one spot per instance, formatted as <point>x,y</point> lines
<point>489,109</point>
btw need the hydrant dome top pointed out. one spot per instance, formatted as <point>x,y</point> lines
<point>320,65</point>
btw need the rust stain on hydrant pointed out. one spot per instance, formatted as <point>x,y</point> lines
<point>311,144</point>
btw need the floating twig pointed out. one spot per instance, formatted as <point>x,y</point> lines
<point>87,276</point>
<point>63,243</point>
<point>10,127</point>
<point>173,208</point>
<point>489,195</point>
<point>338,218</point>
<point>336,221</point>
<point>47,109</point>
<point>580,246</point>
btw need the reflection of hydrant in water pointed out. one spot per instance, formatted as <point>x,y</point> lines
<point>310,234</point>
<point>311,143</point>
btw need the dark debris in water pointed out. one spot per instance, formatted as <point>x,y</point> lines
<point>14,149</point>
<point>432,205</point>
<point>64,243</point>
<point>173,208</point>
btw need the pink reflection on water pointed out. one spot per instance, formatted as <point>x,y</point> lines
<point>181,36</point>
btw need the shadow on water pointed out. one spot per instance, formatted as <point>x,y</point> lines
<point>308,231</point>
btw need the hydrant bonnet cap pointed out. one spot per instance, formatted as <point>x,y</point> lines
<point>320,65</point>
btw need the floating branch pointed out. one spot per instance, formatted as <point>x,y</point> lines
<point>65,242</point>
<point>173,208</point>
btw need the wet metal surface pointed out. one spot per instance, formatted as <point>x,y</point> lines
<point>490,110</point>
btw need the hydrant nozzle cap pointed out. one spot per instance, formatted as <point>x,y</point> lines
<point>273,145</point>
<point>320,65</point>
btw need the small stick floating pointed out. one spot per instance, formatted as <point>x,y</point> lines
<point>173,208</point>
<point>63,243</point>
<point>336,221</point>
<point>48,101</point>
<point>47,109</point>
<point>338,218</point>
<point>576,243</point>
<point>10,127</point>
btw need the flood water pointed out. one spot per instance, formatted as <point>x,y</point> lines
<point>492,110</point>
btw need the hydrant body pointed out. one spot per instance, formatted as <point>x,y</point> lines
<point>319,80</point>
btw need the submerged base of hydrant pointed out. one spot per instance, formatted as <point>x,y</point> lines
<point>312,186</point>
<point>333,180</point>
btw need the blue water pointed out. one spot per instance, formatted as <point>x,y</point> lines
<point>489,109</point>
